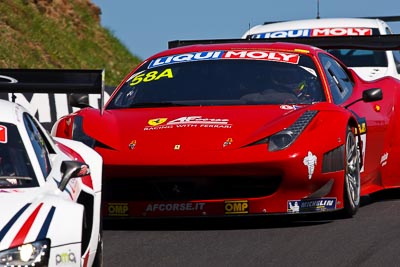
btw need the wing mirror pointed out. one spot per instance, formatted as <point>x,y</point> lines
<point>372,95</point>
<point>72,169</point>
<point>369,95</point>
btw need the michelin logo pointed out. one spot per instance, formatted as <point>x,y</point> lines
<point>311,205</point>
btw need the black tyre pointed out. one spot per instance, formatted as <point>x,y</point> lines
<point>351,196</point>
<point>98,260</point>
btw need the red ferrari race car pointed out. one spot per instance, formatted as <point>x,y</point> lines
<point>241,127</point>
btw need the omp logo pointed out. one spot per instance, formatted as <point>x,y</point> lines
<point>158,121</point>
<point>236,207</point>
<point>118,209</point>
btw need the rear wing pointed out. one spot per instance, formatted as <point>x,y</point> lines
<point>372,42</point>
<point>52,81</point>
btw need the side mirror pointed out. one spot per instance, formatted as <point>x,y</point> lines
<point>369,95</point>
<point>72,169</point>
<point>78,100</point>
<point>372,95</point>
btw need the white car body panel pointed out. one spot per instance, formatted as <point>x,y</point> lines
<point>42,202</point>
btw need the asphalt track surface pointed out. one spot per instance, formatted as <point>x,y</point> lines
<point>370,238</point>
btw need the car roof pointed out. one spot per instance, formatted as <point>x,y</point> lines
<point>280,46</point>
<point>9,111</point>
<point>317,23</point>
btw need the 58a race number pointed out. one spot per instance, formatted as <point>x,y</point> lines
<point>151,76</point>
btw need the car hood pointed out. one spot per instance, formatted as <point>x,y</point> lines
<point>27,215</point>
<point>192,128</point>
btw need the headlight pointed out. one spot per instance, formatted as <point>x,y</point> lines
<point>79,135</point>
<point>281,140</point>
<point>31,254</point>
<point>287,136</point>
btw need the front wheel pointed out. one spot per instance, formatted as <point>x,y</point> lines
<point>351,196</point>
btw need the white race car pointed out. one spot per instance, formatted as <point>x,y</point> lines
<point>369,64</point>
<point>50,193</point>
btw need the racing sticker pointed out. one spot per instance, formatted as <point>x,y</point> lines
<point>66,258</point>
<point>362,126</point>
<point>150,76</point>
<point>228,142</point>
<point>384,159</point>
<point>187,122</point>
<point>362,131</point>
<point>289,107</point>
<point>175,207</point>
<point>158,121</point>
<point>117,209</point>
<point>3,134</point>
<point>311,205</point>
<point>310,161</point>
<point>132,144</point>
<point>236,207</point>
<point>235,54</point>
<point>320,32</point>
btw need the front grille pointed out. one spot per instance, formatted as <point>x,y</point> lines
<point>188,188</point>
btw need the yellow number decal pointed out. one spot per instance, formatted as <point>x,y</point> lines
<point>137,79</point>
<point>166,73</point>
<point>151,76</point>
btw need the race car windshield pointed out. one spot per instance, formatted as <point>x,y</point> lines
<point>221,82</point>
<point>15,166</point>
<point>360,58</point>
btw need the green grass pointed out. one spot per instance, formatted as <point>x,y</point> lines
<point>32,39</point>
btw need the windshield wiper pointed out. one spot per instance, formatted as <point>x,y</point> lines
<point>156,104</point>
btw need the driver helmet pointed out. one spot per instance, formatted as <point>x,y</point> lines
<point>289,79</point>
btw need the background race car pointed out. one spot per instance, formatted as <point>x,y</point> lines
<point>368,63</point>
<point>50,193</point>
<point>242,127</point>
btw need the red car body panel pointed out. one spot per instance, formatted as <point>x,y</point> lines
<point>217,146</point>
